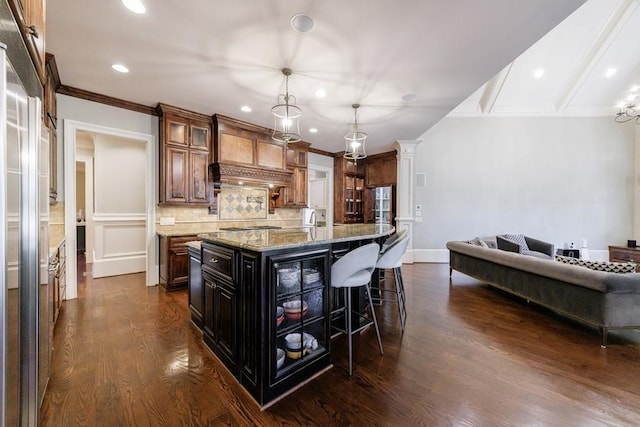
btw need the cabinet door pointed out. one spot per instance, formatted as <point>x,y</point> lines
<point>35,22</point>
<point>178,265</point>
<point>198,162</point>
<point>199,136</point>
<point>176,131</point>
<point>225,320</point>
<point>175,174</point>
<point>208,306</point>
<point>196,291</point>
<point>251,319</point>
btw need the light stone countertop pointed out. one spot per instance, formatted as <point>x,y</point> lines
<point>196,244</point>
<point>265,240</point>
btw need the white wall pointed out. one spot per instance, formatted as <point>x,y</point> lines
<point>558,179</point>
<point>95,113</point>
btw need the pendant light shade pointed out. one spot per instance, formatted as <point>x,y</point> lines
<point>286,113</point>
<point>354,148</point>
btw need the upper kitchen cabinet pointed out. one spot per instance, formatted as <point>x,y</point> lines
<point>30,16</point>
<point>245,153</point>
<point>185,145</point>
<point>348,203</point>
<point>295,194</point>
<point>50,113</point>
<point>380,170</point>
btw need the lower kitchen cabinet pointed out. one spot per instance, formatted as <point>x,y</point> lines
<point>174,261</point>
<point>196,290</point>
<point>267,315</point>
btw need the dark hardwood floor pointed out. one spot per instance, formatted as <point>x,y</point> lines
<point>127,355</point>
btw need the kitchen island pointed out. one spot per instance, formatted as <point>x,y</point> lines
<point>267,302</point>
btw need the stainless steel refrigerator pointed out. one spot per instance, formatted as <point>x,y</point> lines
<point>24,241</point>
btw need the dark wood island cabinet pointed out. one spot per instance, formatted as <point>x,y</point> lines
<point>268,291</point>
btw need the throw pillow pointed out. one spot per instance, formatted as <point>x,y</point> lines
<point>566,259</point>
<point>476,241</point>
<point>610,267</point>
<point>519,239</point>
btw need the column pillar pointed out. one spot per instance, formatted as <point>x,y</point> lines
<point>405,150</point>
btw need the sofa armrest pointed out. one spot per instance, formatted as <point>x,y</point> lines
<point>508,245</point>
<point>540,246</point>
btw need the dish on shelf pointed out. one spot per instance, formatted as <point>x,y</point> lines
<point>288,277</point>
<point>279,315</point>
<point>296,341</point>
<point>310,275</point>
<point>280,354</point>
<point>295,309</point>
<point>296,354</point>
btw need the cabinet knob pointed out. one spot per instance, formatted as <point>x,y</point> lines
<point>33,30</point>
<point>214,261</point>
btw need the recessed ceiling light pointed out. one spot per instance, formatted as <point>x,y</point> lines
<point>538,73</point>
<point>313,130</point>
<point>302,23</point>
<point>120,68</point>
<point>321,93</point>
<point>135,6</point>
<point>246,108</point>
<point>610,72</point>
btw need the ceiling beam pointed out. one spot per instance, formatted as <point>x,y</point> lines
<point>492,90</point>
<point>617,20</point>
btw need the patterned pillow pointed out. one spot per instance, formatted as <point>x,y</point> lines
<point>566,259</point>
<point>519,239</point>
<point>476,241</point>
<point>610,267</point>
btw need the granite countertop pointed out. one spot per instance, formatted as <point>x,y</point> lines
<point>196,244</point>
<point>264,240</point>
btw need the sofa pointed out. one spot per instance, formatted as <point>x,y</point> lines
<point>600,298</point>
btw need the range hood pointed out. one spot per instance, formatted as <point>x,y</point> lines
<point>225,173</point>
<point>244,153</point>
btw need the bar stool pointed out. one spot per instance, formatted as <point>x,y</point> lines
<point>354,270</point>
<point>391,257</point>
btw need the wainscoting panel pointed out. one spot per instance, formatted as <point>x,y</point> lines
<point>120,244</point>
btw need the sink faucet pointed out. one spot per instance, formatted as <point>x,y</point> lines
<point>313,219</point>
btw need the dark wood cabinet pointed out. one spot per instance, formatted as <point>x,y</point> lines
<point>196,286</point>
<point>295,195</point>
<point>185,145</point>
<point>50,113</point>
<point>221,323</point>
<point>349,192</point>
<point>625,254</point>
<point>174,261</point>
<point>380,170</point>
<point>31,18</point>
<point>245,322</point>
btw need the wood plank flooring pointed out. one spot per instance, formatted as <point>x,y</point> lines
<point>127,355</point>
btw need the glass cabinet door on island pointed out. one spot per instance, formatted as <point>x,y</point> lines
<point>299,318</point>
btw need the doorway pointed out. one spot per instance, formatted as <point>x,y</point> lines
<point>119,208</point>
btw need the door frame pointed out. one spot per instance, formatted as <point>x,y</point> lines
<point>70,127</point>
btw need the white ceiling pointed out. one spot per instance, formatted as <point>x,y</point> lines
<point>215,56</point>
<point>575,56</point>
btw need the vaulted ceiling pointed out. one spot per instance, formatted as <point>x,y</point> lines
<point>408,63</point>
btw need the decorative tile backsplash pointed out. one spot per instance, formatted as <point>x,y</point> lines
<point>242,203</point>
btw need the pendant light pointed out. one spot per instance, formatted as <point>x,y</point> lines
<point>354,141</point>
<point>286,126</point>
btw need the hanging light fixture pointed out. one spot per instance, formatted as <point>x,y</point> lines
<point>286,113</point>
<point>354,141</point>
<point>630,108</point>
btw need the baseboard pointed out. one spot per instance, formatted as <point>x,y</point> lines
<point>116,266</point>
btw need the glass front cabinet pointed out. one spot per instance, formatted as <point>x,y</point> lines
<point>279,319</point>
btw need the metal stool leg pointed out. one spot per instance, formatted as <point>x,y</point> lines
<point>373,316</point>
<point>347,320</point>
<point>402,310</point>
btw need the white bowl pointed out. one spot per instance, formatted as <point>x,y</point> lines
<point>288,277</point>
<point>296,341</point>
<point>280,355</point>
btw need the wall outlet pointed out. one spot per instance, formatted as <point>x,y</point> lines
<point>167,220</point>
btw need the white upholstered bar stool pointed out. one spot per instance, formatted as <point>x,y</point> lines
<point>391,258</point>
<point>354,270</point>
